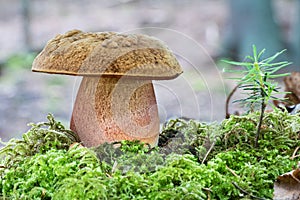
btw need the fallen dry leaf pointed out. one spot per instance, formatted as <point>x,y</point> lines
<point>292,85</point>
<point>287,186</point>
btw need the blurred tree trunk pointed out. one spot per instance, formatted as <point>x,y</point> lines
<point>25,6</point>
<point>295,40</point>
<point>251,22</point>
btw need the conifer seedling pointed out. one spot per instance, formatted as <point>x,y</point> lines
<point>256,79</point>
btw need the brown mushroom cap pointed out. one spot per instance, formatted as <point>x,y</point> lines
<point>107,54</point>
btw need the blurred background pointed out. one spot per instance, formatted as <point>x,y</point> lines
<point>200,33</point>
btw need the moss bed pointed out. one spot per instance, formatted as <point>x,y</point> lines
<point>194,160</point>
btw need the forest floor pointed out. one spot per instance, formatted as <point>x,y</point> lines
<point>192,29</point>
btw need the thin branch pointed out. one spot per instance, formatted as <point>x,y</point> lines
<point>245,192</point>
<point>228,101</point>
<point>295,178</point>
<point>114,167</point>
<point>233,172</point>
<point>207,153</point>
<point>294,153</point>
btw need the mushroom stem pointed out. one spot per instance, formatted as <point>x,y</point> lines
<point>113,109</point>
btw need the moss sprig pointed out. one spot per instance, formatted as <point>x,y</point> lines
<point>40,138</point>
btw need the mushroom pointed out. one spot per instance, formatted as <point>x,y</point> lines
<point>116,99</point>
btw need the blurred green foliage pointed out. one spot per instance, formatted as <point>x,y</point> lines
<point>20,61</point>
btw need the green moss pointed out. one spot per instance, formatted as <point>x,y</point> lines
<point>193,161</point>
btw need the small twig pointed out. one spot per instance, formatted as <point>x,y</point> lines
<point>208,192</point>
<point>209,150</point>
<point>245,192</point>
<point>233,172</point>
<point>294,154</point>
<point>228,101</point>
<point>207,189</point>
<point>295,178</point>
<point>108,175</point>
<point>114,167</point>
<point>238,187</point>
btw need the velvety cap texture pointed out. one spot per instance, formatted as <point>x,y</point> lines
<point>107,54</point>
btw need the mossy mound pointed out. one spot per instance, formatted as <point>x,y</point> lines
<point>193,161</point>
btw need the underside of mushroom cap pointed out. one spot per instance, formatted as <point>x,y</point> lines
<point>107,54</point>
